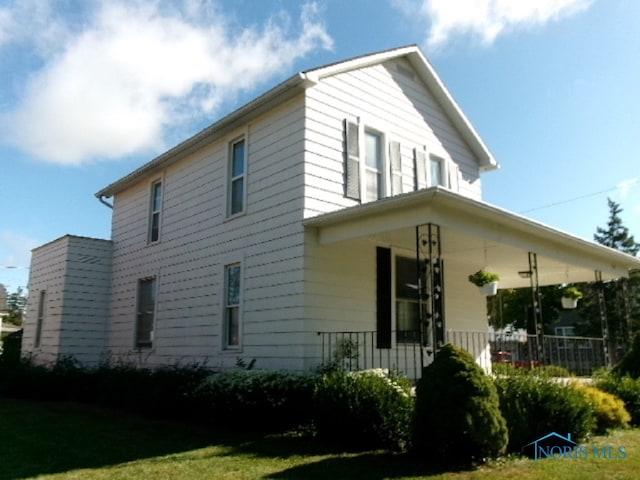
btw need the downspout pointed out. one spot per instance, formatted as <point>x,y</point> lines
<point>101,199</point>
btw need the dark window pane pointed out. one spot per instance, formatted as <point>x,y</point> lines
<point>237,195</point>
<point>155,227</point>
<point>157,197</point>
<point>233,285</point>
<point>406,278</point>
<point>237,162</point>
<point>233,326</point>
<point>146,311</point>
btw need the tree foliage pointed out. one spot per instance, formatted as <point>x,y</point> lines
<point>514,307</point>
<point>16,303</point>
<point>616,235</point>
<point>620,296</point>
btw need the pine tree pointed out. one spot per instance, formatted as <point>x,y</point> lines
<point>616,235</point>
<point>623,292</point>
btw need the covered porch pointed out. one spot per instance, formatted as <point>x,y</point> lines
<point>447,237</point>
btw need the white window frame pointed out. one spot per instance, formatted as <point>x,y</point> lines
<point>231,179</point>
<point>227,307</point>
<point>138,345</point>
<point>155,211</point>
<point>382,182</point>
<point>384,188</point>
<point>444,170</point>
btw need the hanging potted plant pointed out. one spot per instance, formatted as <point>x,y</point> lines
<point>570,297</point>
<point>487,282</point>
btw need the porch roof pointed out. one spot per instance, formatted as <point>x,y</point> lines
<point>476,234</point>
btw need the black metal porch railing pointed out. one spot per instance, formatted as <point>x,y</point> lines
<point>357,351</point>
<point>580,355</point>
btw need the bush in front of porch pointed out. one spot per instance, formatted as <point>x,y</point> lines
<point>457,415</point>
<point>535,404</point>
<point>366,409</point>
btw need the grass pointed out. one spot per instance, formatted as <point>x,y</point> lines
<point>68,441</point>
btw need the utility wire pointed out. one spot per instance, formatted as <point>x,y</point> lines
<point>588,195</point>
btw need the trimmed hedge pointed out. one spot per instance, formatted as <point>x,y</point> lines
<point>256,399</point>
<point>365,409</point>
<point>166,391</point>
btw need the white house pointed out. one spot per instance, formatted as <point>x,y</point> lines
<point>324,205</point>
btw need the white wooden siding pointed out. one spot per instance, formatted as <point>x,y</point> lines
<point>405,109</point>
<point>75,273</point>
<point>196,237</point>
<point>340,293</point>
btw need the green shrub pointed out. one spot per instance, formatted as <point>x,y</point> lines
<point>364,409</point>
<point>625,388</point>
<point>551,371</point>
<point>536,405</point>
<point>256,399</point>
<point>609,410</point>
<point>457,416</point>
<point>11,348</point>
<point>167,391</point>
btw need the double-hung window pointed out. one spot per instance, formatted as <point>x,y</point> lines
<point>232,295</point>
<point>436,171</point>
<point>146,312</point>
<point>373,172</point>
<point>373,164</point>
<point>155,212</point>
<point>237,177</point>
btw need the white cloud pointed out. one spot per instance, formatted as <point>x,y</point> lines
<point>135,68</point>
<point>484,19</point>
<point>625,187</point>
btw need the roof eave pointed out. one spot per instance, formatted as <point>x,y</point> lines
<point>499,217</point>
<point>277,95</point>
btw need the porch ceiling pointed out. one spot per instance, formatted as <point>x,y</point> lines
<point>476,235</point>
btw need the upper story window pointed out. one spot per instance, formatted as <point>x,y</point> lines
<point>373,173</point>
<point>436,171</point>
<point>155,212</point>
<point>372,163</point>
<point>237,177</point>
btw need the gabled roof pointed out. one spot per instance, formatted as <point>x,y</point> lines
<point>296,85</point>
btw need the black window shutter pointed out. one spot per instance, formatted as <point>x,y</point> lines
<point>351,160</point>
<point>383,297</point>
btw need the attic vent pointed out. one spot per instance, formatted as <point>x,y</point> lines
<point>406,71</point>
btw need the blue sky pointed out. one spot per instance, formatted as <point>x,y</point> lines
<point>93,89</point>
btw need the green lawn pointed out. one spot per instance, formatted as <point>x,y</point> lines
<point>64,441</point>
